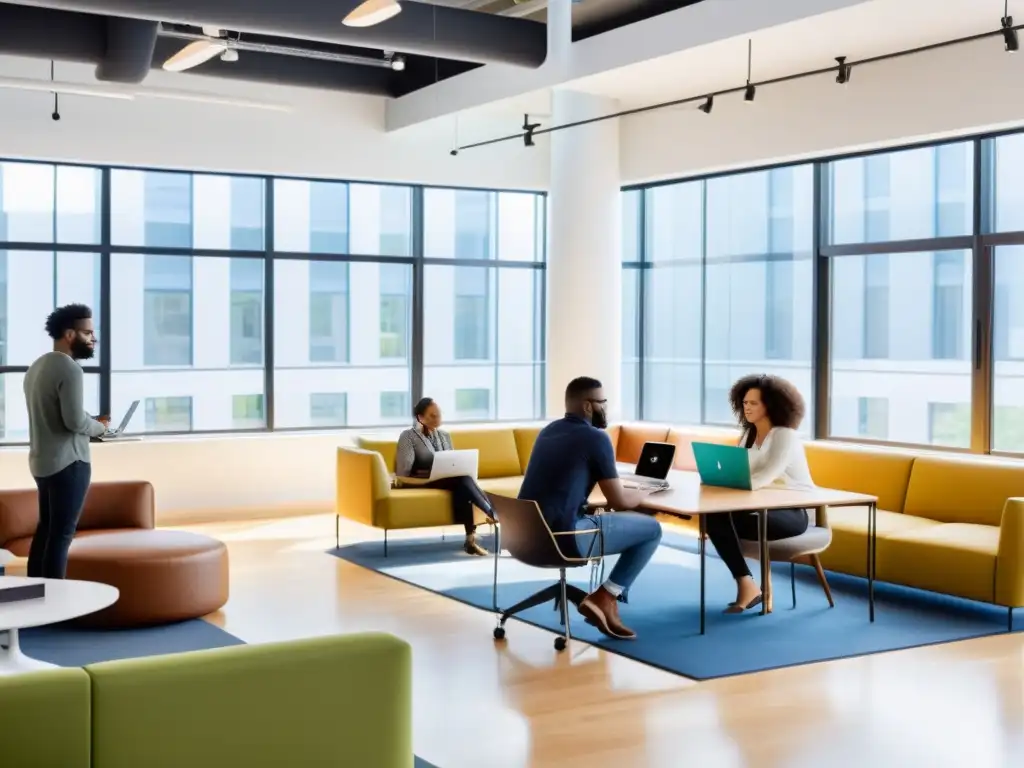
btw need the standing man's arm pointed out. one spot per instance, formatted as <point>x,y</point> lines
<point>71,392</point>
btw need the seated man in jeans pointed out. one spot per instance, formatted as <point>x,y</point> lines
<point>570,457</point>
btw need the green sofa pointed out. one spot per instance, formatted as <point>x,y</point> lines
<point>343,700</point>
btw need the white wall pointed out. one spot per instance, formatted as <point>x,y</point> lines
<point>953,91</point>
<point>327,135</point>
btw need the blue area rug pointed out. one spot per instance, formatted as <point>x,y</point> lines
<point>70,646</point>
<point>664,608</point>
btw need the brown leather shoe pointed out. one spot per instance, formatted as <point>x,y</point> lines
<point>472,548</point>
<point>601,609</point>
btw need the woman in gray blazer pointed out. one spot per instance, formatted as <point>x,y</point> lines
<point>414,457</point>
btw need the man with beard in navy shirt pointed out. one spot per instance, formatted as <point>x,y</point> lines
<point>570,457</point>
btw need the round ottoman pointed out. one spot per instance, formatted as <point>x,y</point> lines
<point>163,576</point>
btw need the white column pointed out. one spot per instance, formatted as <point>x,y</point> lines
<point>584,269</point>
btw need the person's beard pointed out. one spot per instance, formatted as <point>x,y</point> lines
<point>80,350</point>
<point>599,419</point>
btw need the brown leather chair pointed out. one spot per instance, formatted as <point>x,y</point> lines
<point>118,506</point>
<point>527,537</point>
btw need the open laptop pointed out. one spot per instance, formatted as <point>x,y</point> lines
<point>725,466</point>
<point>652,468</point>
<point>461,463</point>
<point>113,434</point>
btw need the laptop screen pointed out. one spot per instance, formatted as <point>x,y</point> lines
<point>656,460</point>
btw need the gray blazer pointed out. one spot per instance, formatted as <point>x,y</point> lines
<point>415,451</point>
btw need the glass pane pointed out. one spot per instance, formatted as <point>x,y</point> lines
<point>1008,350</point>
<point>460,224</point>
<point>14,412</point>
<point>39,201</point>
<point>631,225</point>
<point>183,210</point>
<point>628,405</point>
<point>758,284</point>
<point>901,347</point>
<point>675,222</point>
<point>30,281</point>
<point>672,342</point>
<point>336,350</point>
<point>1005,193</point>
<point>483,332</point>
<point>189,343</point>
<point>906,195</point>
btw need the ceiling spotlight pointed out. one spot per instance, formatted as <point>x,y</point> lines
<point>229,55</point>
<point>748,95</point>
<point>1010,34</point>
<point>844,71</point>
<point>398,63</point>
<point>708,105</point>
<point>371,12</point>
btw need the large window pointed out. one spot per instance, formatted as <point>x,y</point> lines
<point>215,278</point>
<point>725,261</point>
<point>892,305</point>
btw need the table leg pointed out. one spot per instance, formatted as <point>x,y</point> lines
<point>702,547</point>
<point>14,662</point>
<point>872,557</point>
<point>762,541</point>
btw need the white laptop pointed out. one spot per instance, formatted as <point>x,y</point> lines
<point>114,434</point>
<point>462,463</point>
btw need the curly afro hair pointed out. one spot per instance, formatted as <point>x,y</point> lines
<point>66,318</point>
<point>782,401</point>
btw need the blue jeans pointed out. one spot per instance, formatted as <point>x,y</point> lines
<point>61,497</point>
<point>631,535</point>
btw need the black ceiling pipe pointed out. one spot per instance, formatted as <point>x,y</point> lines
<point>129,50</point>
<point>44,34</point>
<point>429,30</point>
<point>259,67</point>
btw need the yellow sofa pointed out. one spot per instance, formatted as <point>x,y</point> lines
<point>947,524</point>
<point>365,472</point>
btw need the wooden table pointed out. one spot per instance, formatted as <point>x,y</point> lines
<point>687,498</point>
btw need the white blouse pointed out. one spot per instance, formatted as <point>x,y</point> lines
<point>779,461</point>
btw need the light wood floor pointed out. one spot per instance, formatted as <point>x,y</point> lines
<point>482,705</point>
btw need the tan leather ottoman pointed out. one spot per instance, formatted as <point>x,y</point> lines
<point>163,576</point>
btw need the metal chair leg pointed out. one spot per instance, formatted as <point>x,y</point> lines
<point>497,554</point>
<point>337,531</point>
<point>385,542</point>
<point>562,641</point>
<point>792,580</point>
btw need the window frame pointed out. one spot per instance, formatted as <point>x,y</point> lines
<point>106,248</point>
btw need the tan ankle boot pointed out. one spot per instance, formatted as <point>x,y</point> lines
<point>472,548</point>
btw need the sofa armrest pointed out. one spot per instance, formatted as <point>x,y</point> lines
<point>129,504</point>
<point>1010,555</point>
<point>362,481</point>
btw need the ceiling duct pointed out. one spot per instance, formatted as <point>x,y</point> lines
<point>428,30</point>
<point>129,50</point>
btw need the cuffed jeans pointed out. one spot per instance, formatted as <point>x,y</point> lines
<point>61,497</point>
<point>631,535</point>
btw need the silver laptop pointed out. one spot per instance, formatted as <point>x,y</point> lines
<point>652,468</point>
<point>113,434</point>
<point>463,463</point>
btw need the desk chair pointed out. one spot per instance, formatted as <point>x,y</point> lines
<point>528,539</point>
<point>803,549</point>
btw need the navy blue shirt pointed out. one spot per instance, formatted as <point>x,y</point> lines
<point>569,458</point>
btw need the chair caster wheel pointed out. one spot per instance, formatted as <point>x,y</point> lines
<point>559,643</point>
<point>499,633</point>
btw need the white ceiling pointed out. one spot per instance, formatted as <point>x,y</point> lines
<point>865,30</point>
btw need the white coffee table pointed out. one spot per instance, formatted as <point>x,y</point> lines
<point>65,599</point>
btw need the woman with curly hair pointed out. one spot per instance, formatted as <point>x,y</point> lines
<point>769,410</point>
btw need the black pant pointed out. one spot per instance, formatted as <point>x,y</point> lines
<point>727,528</point>
<point>465,494</point>
<point>61,497</point>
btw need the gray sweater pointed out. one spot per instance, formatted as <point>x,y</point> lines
<point>59,428</point>
<point>415,451</point>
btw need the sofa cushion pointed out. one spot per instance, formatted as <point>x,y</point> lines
<point>499,456</point>
<point>525,438</point>
<point>951,558</point>
<point>502,486</point>
<point>414,508</point>
<point>848,552</point>
<point>632,438</point>
<point>31,704</point>
<point>386,447</point>
<point>880,473</point>
<point>960,490</point>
